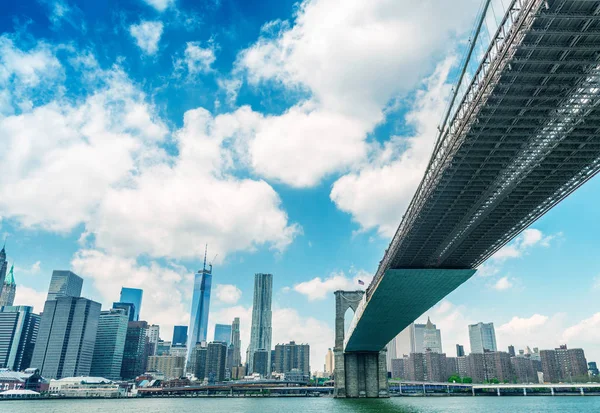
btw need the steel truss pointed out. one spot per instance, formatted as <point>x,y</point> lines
<point>524,135</point>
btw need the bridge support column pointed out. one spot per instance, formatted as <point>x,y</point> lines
<point>356,374</point>
<point>361,375</point>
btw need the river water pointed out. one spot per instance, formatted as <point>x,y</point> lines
<point>564,404</point>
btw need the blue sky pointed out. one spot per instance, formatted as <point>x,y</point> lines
<point>289,136</point>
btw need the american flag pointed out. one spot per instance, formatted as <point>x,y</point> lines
<point>361,282</point>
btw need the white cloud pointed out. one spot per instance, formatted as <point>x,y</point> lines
<point>62,157</point>
<point>319,289</point>
<point>28,296</point>
<point>585,333</point>
<point>537,330</point>
<point>166,289</point>
<point>101,160</point>
<point>503,284</point>
<point>228,293</point>
<point>33,269</point>
<point>160,5</point>
<point>147,35</point>
<point>397,168</point>
<point>199,59</point>
<point>347,64</point>
<point>199,203</point>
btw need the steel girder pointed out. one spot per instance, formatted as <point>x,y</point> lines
<point>524,136</point>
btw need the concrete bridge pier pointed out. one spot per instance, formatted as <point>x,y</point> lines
<point>357,374</point>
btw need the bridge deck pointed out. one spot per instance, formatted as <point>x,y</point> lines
<point>524,136</point>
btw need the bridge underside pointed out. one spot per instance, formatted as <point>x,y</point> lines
<point>402,297</point>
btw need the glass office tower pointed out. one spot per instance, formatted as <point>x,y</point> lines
<point>64,284</point>
<point>133,296</point>
<point>223,333</point>
<point>200,306</point>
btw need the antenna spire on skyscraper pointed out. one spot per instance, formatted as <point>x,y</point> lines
<point>205,251</point>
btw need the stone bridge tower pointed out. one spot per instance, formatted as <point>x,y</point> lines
<point>360,374</point>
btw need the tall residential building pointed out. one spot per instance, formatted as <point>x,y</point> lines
<point>133,296</point>
<point>482,337</point>
<point>260,333</point>
<point>3,265</point>
<point>235,341</point>
<point>563,364</point>
<point>196,365</point>
<point>8,291</point>
<point>460,350</point>
<point>153,334</point>
<point>110,344</point>
<point>329,362</point>
<point>511,351</point>
<point>484,367</point>
<point>171,366</point>
<point>432,338</point>
<point>260,362</point>
<point>66,338</point>
<point>179,336</point>
<point>223,333</point>
<point>135,353</point>
<point>215,361</point>
<point>292,356</point>
<point>64,284</point>
<point>18,334</point>
<point>200,306</point>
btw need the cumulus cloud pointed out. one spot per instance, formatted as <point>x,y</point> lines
<point>228,293</point>
<point>347,65</point>
<point>199,203</point>
<point>101,158</point>
<point>584,333</point>
<point>396,169</point>
<point>502,284</point>
<point>319,289</point>
<point>147,35</point>
<point>198,59</point>
<point>31,297</point>
<point>160,5</point>
<point>63,156</point>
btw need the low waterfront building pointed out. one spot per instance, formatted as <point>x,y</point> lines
<point>85,387</point>
<point>29,379</point>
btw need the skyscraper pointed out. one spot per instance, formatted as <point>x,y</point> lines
<point>135,353</point>
<point>511,351</point>
<point>329,362</point>
<point>128,307</point>
<point>7,296</point>
<point>18,334</point>
<point>179,336</point>
<point>64,284</point>
<point>223,333</point>
<point>110,344</point>
<point>482,337</point>
<point>432,338</point>
<point>460,350</point>
<point>66,338</point>
<point>3,266</point>
<point>200,305</point>
<point>197,363</point>
<point>260,334</point>
<point>153,334</point>
<point>235,341</point>
<point>215,362</point>
<point>133,296</point>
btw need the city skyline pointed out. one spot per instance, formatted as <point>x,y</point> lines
<point>189,152</point>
